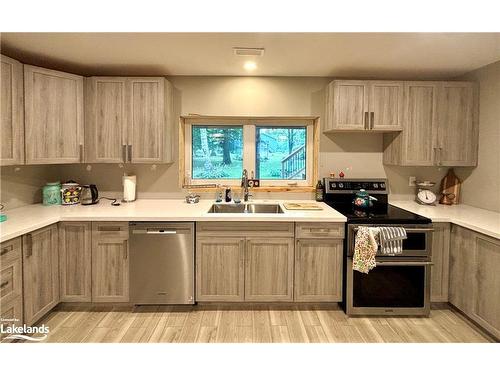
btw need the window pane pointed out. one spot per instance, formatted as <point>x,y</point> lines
<point>217,152</point>
<point>281,153</point>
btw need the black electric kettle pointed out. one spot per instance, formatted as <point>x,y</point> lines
<point>89,195</point>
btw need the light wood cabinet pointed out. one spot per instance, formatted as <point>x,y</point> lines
<point>11,112</point>
<point>220,269</point>
<point>269,269</point>
<point>440,260</point>
<point>129,119</point>
<point>475,277</point>
<point>110,262</point>
<point>11,282</point>
<point>318,270</point>
<point>486,305</point>
<point>364,106</point>
<point>105,120</point>
<point>416,144</point>
<point>440,126</point>
<point>40,272</point>
<point>75,261</point>
<point>457,131</point>
<point>462,259</point>
<point>53,108</point>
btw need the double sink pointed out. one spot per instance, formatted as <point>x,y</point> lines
<point>245,208</point>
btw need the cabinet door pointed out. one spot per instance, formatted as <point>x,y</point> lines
<point>457,124</point>
<point>486,306</point>
<point>53,108</point>
<point>269,269</point>
<point>386,105</point>
<point>220,269</point>
<point>12,112</point>
<point>440,260</point>
<point>347,105</point>
<point>148,135</point>
<point>419,135</point>
<point>105,120</point>
<point>462,259</point>
<point>40,272</point>
<point>75,261</point>
<point>110,264</point>
<point>318,270</point>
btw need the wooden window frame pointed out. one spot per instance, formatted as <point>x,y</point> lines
<point>313,133</point>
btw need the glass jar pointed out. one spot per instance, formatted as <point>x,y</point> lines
<point>51,194</point>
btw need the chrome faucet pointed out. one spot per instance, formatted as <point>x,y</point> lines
<point>244,185</point>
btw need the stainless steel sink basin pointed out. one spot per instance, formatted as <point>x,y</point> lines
<point>245,208</point>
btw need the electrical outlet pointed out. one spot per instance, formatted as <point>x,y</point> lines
<point>411,181</point>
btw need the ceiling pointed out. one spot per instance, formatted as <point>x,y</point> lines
<point>363,55</point>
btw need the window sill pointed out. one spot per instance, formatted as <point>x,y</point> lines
<point>266,189</point>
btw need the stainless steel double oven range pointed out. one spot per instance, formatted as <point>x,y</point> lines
<point>399,284</point>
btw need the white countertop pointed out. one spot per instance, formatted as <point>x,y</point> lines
<point>29,218</point>
<point>477,219</point>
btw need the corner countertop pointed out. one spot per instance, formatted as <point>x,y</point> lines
<point>476,219</point>
<point>29,218</point>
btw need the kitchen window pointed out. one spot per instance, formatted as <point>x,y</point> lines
<point>277,151</point>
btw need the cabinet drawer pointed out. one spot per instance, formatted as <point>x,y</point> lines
<point>244,229</point>
<point>11,314</point>
<point>10,280</point>
<point>111,230</point>
<point>319,230</point>
<point>10,250</point>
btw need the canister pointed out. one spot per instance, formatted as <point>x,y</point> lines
<point>51,194</point>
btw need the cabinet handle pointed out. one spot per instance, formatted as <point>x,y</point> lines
<point>130,153</point>
<point>372,119</point>
<point>366,120</point>
<point>81,153</point>
<point>29,250</point>
<point>125,255</point>
<point>124,153</point>
<point>4,251</point>
<point>4,284</point>
<point>440,162</point>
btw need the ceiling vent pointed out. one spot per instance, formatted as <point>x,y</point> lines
<point>243,51</point>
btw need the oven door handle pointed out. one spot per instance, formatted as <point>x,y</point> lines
<point>405,264</point>
<point>409,230</point>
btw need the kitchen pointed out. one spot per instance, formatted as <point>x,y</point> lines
<point>235,202</point>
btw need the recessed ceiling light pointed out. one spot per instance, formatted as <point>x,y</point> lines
<point>250,65</point>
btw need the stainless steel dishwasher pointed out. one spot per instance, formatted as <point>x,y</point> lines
<point>161,263</point>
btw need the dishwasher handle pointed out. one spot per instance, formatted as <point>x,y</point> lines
<point>160,231</point>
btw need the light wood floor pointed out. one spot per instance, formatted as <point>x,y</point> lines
<point>205,324</point>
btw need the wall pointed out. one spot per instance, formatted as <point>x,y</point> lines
<point>358,155</point>
<point>486,177</point>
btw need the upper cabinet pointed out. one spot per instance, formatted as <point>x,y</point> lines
<point>440,126</point>
<point>366,106</point>
<point>128,119</point>
<point>12,112</point>
<point>53,108</point>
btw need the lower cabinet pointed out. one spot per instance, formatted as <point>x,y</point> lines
<point>269,269</point>
<point>462,254</point>
<point>40,272</point>
<point>220,269</point>
<point>440,260</point>
<point>75,261</point>
<point>475,277</point>
<point>110,262</point>
<point>318,270</point>
<point>486,305</point>
<point>11,284</point>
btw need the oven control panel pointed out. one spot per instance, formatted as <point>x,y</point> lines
<point>341,185</point>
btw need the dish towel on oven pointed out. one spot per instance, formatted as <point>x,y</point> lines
<point>391,240</point>
<point>365,249</point>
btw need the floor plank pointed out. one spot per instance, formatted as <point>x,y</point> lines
<point>257,324</point>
